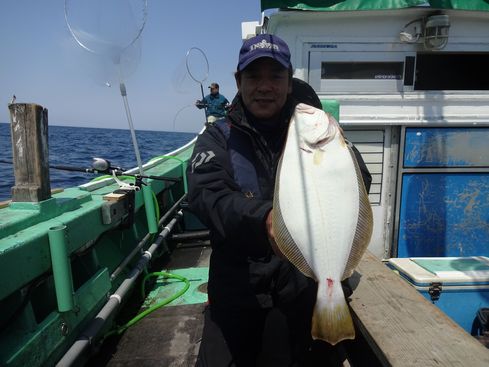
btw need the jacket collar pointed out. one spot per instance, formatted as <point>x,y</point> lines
<point>239,116</point>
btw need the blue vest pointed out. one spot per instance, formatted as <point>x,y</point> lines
<point>215,105</point>
<point>242,158</point>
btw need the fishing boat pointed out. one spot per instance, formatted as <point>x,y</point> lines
<point>407,81</point>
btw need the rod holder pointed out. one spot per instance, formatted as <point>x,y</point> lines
<point>63,278</point>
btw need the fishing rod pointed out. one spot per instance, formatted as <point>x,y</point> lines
<point>103,166</point>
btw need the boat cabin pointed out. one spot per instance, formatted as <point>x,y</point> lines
<point>413,93</point>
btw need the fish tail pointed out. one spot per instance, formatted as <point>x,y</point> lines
<point>331,319</point>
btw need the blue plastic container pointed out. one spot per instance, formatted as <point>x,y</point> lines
<point>459,286</point>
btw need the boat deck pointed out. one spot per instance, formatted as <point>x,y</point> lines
<point>169,336</point>
<point>395,325</point>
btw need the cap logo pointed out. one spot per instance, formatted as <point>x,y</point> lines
<point>264,44</point>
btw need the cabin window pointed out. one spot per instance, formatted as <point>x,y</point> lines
<point>362,70</point>
<point>452,71</point>
<point>365,71</point>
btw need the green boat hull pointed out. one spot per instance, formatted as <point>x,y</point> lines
<point>48,295</point>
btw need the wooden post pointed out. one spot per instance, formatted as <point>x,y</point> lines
<point>29,131</point>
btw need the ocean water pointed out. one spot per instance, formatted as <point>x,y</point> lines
<point>76,146</point>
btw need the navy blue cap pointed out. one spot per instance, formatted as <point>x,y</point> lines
<point>264,45</point>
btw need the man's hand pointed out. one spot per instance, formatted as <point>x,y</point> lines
<point>271,236</point>
<point>199,104</point>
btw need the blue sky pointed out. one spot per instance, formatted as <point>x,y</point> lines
<point>41,63</point>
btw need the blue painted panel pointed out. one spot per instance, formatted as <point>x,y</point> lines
<point>444,214</point>
<point>446,147</point>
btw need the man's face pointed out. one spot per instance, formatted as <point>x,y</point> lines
<point>264,85</point>
<point>214,90</point>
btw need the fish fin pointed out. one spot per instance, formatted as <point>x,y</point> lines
<point>284,240</point>
<point>331,319</point>
<point>363,231</point>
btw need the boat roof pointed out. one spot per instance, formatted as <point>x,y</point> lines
<point>350,5</point>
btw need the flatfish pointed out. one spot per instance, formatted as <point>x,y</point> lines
<point>322,219</point>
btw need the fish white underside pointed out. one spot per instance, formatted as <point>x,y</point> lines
<point>325,216</point>
<point>321,211</point>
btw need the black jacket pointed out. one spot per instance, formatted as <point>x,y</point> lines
<point>244,272</point>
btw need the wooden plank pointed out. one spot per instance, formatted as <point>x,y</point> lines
<point>30,155</point>
<point>405,329</point>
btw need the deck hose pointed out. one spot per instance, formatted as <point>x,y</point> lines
<point>119,330</point>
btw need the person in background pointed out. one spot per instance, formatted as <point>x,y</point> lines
<point>215,104</point>
<point>260,306</point>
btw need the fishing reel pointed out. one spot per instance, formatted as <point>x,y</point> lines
<point>102,165</point>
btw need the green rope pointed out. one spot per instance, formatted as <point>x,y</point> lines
<point>143,314</point>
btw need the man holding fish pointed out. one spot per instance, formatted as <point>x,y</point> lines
<point>267,258</point>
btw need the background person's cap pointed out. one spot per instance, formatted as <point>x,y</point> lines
<point>213,85</point>
<point>264,45</point>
